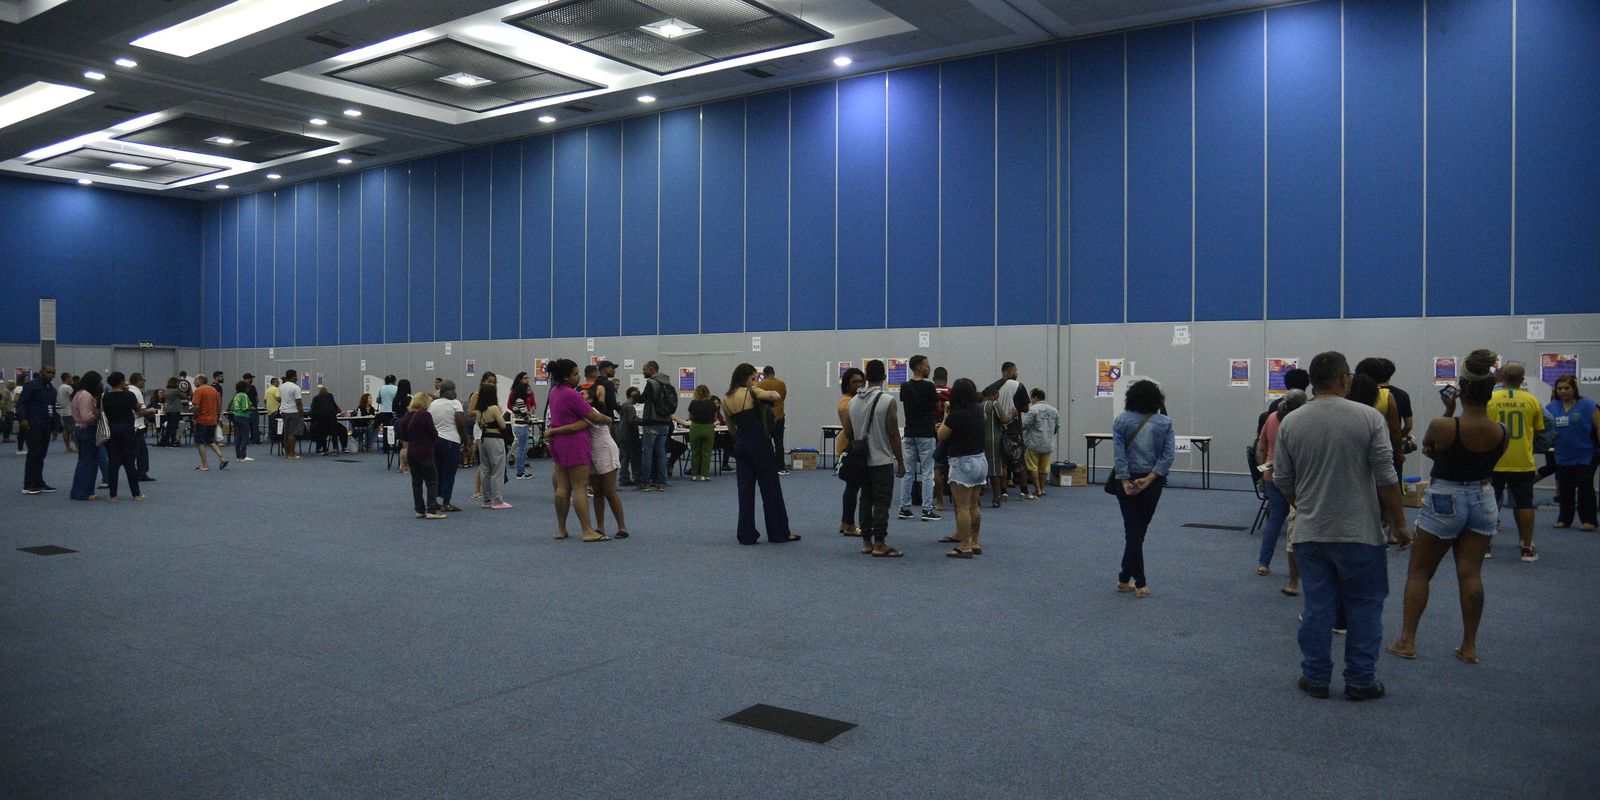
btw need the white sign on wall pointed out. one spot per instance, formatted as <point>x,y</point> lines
<point>755,344</point>
<point>363,365</point>
<point>447,348</point>
<point>922,338</point>
<point>1535,329</point>
<point>428,365</point>
<point>627,363</point>
<point>271,352</point>
<point>588,345</point>
<point>1180,335</point>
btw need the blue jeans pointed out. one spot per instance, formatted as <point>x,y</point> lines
<point>1358,575</point>
<point>1277,515</point>
<point>655,454</point>
<point>88,467</point>
<point>919,467</point>
<point>521,432</point>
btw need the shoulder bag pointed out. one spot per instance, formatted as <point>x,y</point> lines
<point>853,461</point>
<point>1114,486</point>
<point>102,431</point>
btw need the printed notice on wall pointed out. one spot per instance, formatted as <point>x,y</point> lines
<point>427,365</point>
<point>636,380</point>
<point>447,348</point>
<point>472,367</point>
<point>1588,376</point>
<point>755,344</point>
<point>1180,335</point>
<point>686,379</point>
<point>588,345</point>
<point>1107,371</point>
<point>540,377</point>
<point>363,365</point>
<point>1239,372</point>
<point>627,363</point>
<point>1444,370</point>
<point>898,372</point>
<point>1535,329</point>
<point>319,380</point>
<point>1276,367</point>
<point>922,338</point>
<point>1554,365</point>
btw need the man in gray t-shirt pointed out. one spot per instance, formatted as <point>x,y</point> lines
<point>1332,460</point>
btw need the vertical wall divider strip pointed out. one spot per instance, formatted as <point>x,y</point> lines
<point>273,328</point>
<point>622,203</point>
<point>1513,306</point>
<point>585,315</point>
<point>885,199</point>
<point>461,259</point>
<point>744,210</point>
<point>700,219</point>
<point>1066,125</point>
<point>835,203</point>
<point>1124,177</point>
<point>658,226</point>
<point>489,291</point>
<point>411,182</point>
<point>550,297</point>
<point>1424,159</point>
<point>1341,160</point>
<point>938,318</point>
<point>1055,196</point>
<point>994,208</point>
<point>236,219</point>
<point>522,267</point>
<point>383,335</point>
<point>1266,181</point>
<point>1193,170</point>
<point>788,210</point>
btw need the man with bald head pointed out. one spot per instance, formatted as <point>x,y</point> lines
<point>1523,417</point>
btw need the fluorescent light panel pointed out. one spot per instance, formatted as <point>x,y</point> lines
<point>670,29</point>
<point>37,98</point>
<point>229,23</point>
<point>125,166</point>
<point>465,79</point>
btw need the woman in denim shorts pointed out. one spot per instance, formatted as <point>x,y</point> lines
<point>962,435</point>
<point>1458,512</point>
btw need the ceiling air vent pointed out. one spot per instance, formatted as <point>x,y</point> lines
<point>334,39</point>
<point>364,152</point>
<point>122,108</point>
<point>757,72</point>
<point>581,108</point>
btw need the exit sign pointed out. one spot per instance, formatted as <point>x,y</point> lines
<point>145,344</point>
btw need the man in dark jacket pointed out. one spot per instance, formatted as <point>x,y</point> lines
<point>36,411</point>
<point>656,422</point>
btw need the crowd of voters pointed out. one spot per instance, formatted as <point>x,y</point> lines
<point>1327,453</point>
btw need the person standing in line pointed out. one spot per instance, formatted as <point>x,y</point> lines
<point>385,415</point>
<point>941,461</point>
<point>1402,404</point>
<point>274,409</point>
<point>1015,400</point>
<point>1293,379</point>
<point>420,437</point>
<point>570,445</point>
<point>1576,418</point>
<point>771,383</point>
<point>628,426</point>
<point>752,447</point>
<point>1458,513</point>
<point>961,432</point>
<point>921,400</point>
<point>605,458</point>
<point>402,407</point>
<point>874,420</point>
<point>171,414</point>
<point>1329,456</point>
<point>64,395</point>
<point>207,413</point>
<point>141,412</point>
<point>473,434</point>
<point>660,403</point>
<point>254,424</point>
<point>1516,408</point>
<point>1277,504</point>
<point>242,411</point>
<point>1142,446</point>
<point>121,408</point>
<point>520,405</point>
<point>326,427</point>
<point>36,418</point>
<point>996,415</point>
<point>290,410</point>
<point>8,402</point>
<point>85,421</point>
<point>1040,424</point>
<point>492,447</point>
<point>702,432</point>
<point>850,383</point>
<point>449,419</point>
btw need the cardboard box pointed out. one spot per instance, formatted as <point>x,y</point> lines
<point>802,461</point>
<point>1076,478</point>
<point>1411,493</point>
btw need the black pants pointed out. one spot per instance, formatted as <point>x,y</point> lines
<point>169,429</point>
<point>141,462</point>
<point>424,485</point>
<point>877,494</point>
<point>777,444</point>
<point>1136,513</point>
<point>1577,480</point>
<point>758,467</point>
<point>852,495</point>
<point>446,460</point>
<point>38,441</point>
<point>122,452</point>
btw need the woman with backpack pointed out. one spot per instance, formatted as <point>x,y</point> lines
<point>242,411</point>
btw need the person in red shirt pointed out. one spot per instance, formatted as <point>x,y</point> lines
<point>207,408</point>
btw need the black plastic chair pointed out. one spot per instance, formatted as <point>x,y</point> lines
<point>1257,483</point>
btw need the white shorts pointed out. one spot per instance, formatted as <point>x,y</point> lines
<point>604,456</point>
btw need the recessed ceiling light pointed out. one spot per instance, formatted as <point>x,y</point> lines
<point>647,98</point>
<point>465,79</point>
<point>229,23</point>
<point>226,141</point>
<point>37,98</point>
<point>126,167</point>
<point>222,186</point>
<point>670,29</point>
<point>346,161</point>
<point>272,176</point>
<point>317,121</point>
<point>352,112</point>
<point>843,61</point>
<point>85,182</point>
<point>547,119</point>
<point>126,63</point>
<point>94,76</point>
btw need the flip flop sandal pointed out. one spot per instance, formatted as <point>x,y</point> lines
<point>1290,592</point>
<point>977,551</point>
<point>622,534</point>
<point>1412,657</point>
<point>601,538</point>
<point>950,540</point>
<point>890,553</point>
<point>959,553</point>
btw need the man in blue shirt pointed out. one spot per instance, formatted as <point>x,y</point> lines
<point>36,412</point>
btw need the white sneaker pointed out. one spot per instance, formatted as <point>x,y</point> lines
<point>246,458</point>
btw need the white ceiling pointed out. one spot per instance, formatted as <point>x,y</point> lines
<point>275,78</point>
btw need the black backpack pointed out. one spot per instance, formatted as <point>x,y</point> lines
<point>665,400</point>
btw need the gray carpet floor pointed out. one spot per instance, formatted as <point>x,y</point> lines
<point>290,630</point>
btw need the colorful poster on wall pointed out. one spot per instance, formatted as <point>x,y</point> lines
<point>1554,365</point>
<point>305,381</point>
<point>472,367</point>
<point>1444,370</point>
<point>1239,372</point>
<point>899,371</point>
<point>594,361</point>
<point>23,375</point>
<point>686,379</point>
<point>540,376</point>
<point>319,380</point>
<point>845,366</point>
<point>1107,371</point>
<point>1276,367</point>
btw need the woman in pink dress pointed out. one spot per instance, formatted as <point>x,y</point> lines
<point>568,435</point>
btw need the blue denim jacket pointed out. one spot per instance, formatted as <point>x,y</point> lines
<point>1151,452</point>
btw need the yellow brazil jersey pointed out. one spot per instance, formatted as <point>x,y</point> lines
<point>1523,417</point>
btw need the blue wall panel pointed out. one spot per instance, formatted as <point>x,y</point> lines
<point>863,131</point>
<point>722,220</point>
<point>967,192</point>
<point>641,138</point>
<point>475,170</point>
<point>275,313</point>
<point>228,275</point>
<point>1469,157</point>
<point>680,221</point>
<point>1303,161</point>
<point>1160,175</point>
<point>210,265</point>
<point>294,319</point>
<point>814,246</point>
<point>505,244</point>
<point>419,241</point>
<point>447,248</point>
<point>1229,169</point>
<point>349,260</point>
<point>767,234</point>
<point>255,240</point>
<point>1096,146</point>
<point>538,172</point>
<point>571,212</point>
<point>396,272</point>
<point>1383,158</point>
<point>319,244</point>
<point>372,249</point>
<point>1558,162</point>
<point>913,197</point>
<point>1025,215</point>
<point>604,280</point>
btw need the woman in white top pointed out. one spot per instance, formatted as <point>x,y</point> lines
<point>450,420</point>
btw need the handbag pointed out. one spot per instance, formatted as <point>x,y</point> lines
<point>1114,486</point>
<point>853,463</point>
<point>102,431</point>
